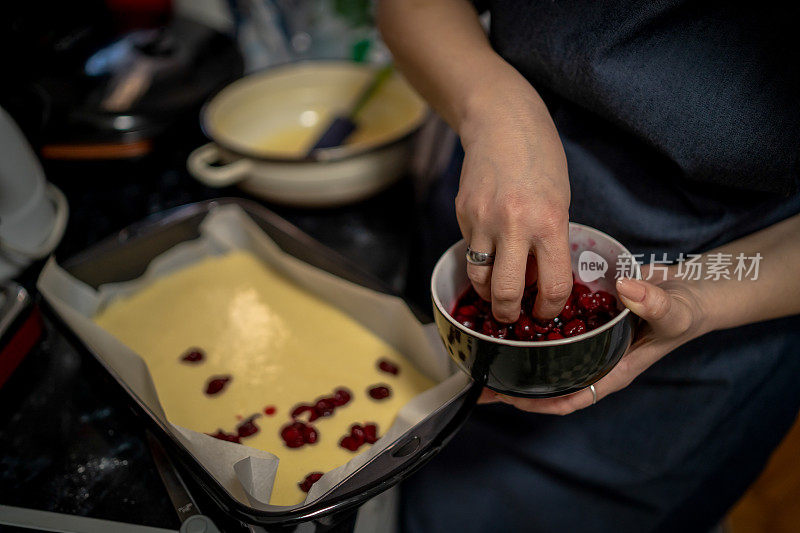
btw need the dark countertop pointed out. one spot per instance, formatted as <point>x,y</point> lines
<point>68,441</point>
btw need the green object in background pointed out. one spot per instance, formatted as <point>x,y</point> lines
<point>356,12</point>
<point>361,50</point>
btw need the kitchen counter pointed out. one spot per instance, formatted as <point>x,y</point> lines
<point>69,442</point>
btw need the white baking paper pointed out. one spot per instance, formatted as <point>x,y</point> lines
<point>247,473</point>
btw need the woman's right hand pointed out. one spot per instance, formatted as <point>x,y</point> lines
<point>514,197</point>
<point>514,193</point>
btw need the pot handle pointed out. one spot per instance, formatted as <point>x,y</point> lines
<point>200,166</point>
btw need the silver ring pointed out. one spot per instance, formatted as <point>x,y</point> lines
<point>479,258</point>
<point>594,394</point>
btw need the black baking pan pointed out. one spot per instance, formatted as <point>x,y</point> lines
<point>126,255</point>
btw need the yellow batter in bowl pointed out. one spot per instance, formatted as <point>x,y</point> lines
<point>279,345</point>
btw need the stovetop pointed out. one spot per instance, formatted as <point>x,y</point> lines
<point>68,441</point>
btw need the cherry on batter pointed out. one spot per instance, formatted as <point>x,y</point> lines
<point>194,355</point>
<point>298,434</point>
<point>388,367</point>
<point>248,428</point>
<point>368,433</point>
<point>324,406</point>
<point>379,392</point>
<point>216,384</point>
<point>310,479</point>
<point>221,435</point>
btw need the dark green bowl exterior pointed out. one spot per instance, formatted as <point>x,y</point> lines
<point>541,371</point>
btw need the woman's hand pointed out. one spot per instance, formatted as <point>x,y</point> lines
<point>674,314</point>
<point>513,199</point>
<point>514,192</point>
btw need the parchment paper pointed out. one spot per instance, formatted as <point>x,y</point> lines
<point>247,473</point>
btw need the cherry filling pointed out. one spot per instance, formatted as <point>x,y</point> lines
<point>388,367</point>
<point>298,433</point>
<point>310,479</point>
<point>584,311</point>
<point>194,355</point>
<point>368,433</point>
<point>323,406</point>
<point>379,392</point>
<point>216,384</point>
<point>248,428</point>
<point>270,410</point>
<point>230,437</point>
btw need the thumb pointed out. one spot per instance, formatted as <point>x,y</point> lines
<point>654,305</point>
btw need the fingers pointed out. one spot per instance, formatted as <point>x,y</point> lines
<point>481,276</point>
<point>631,365</point>
<point>554,271</point>
<point>563,405</point>
<point>664,314</point>
<point>508,279</point>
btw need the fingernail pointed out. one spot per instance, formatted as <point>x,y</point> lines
<point>632,289</point>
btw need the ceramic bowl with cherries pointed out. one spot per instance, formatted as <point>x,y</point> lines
<point>537,358</point>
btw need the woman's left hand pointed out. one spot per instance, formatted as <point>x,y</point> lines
<point>674,315</point>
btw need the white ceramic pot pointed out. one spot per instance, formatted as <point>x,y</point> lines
<point>261,125</point>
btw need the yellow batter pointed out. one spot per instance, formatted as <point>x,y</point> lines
<point>281,345</point>
<point>382,119</point>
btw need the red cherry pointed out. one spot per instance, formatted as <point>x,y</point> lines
<point>297,434</point>
<point>221,435</point>
<point>247,428</point>
<point>607,301</point>
<point>524,328</point>
<point>467,322</point>
<point>574,327</point>
<point>292,435</point>
<point>493,329</point>
<point>379,392</point>
<point>270,410</point>
<point>349,443</point>
<point>569,311</point>
<point>324,407</point>
<point>468,310</point>
<point>554,335</point>
<point>341,397</point>
<point>578,290</point>
<point>300,409</point>
<point>370,433</point>
<point>589,302</point>
<point>216,384</point>
<point>357,432</point>
<point>543,326</point>
<point>389,367</point>
<point>193,355</point>
<point>309,434</point>
<point>310,479</point>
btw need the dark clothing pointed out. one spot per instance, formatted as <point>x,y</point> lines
<point>681,126</point>
<point>708,89</point>
<point>683,114</point>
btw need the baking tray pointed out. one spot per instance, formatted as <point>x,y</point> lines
<point>126,255</point>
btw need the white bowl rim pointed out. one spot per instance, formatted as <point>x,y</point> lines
<point>558,342</point>
<point>326,155</point>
